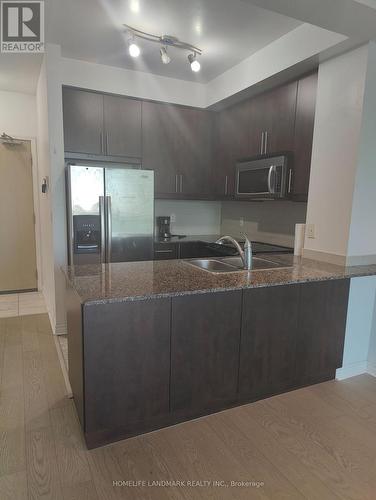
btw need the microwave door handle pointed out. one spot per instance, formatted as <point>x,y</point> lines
<point>271,177</point>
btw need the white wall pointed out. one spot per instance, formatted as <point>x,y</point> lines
<point>18,115</point>
<point>191,217</point>
<point>296,46</point>
<point>336,139</point>
<point>362,236</point>
<point>45,212</point>
<point>269,222</point>
<point>359,328</point>
<point>131,83</point>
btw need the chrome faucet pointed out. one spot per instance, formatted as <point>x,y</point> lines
<point>245,255</point>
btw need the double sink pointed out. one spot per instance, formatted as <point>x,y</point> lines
<point>232,264</point>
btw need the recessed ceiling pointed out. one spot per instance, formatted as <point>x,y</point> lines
<point>226,31</point>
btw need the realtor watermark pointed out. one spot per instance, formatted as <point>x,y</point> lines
<point>191,483</point>
<point>22,27</point>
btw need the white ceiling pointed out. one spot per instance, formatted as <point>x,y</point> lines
<point>226,31</point>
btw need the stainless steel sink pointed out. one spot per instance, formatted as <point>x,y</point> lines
<point>232,264</point>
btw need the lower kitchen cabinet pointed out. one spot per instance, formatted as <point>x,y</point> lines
<point>127,365</point>
<point>321,329</point>
<point>205,334</point>
<point>268,340</point>
<point>139,365</point>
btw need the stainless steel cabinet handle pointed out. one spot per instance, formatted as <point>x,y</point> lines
<point>226,184</point>
<point>290,180</point>
<point>262,143</point>
<point>109,228</point>
<point>103,229</point>
<point>106,143</point>
<point>181,183</point>
<point>266,142</point>
<point>163,251</point>
<point>176,184</point>
<point>101,141</point>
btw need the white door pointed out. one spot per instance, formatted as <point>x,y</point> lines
<point>18,270</point>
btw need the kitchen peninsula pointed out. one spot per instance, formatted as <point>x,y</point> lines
<point>156,343</point>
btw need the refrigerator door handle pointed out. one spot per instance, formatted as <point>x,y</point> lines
<point>109,228</point>
<point>103,228</point>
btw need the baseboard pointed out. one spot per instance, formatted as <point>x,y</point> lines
<point>352,370</point>
<point>371,369</point>
<point>63,368</point>
<point>61,329</point>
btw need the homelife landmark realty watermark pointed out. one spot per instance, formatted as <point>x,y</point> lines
<point>22,26</point>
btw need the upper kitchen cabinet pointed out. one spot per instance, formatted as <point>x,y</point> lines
<point>194,127</point>
<point>104,125</point>
<point>177,146</point>
<point>276,117</point>
<point>231,142</point>
<point>304,123</point>
<point>122,124</point>
<point>161,146</point>
<point>83,121</point>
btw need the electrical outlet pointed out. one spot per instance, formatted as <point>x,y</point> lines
<point>173,218</point>
<point>241,221</point>
<point>311,231</point>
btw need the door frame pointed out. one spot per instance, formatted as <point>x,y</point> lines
<point>36,203</point>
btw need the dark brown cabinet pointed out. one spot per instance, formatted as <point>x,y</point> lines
<point>104,125</point>
<point>161,146</point>
<point>304,124</point>
<point>205,337</point>
<point>138,365</point>
<point>127,364</point>
<point>122,125</point>
<point>268,341</point>
<point>232,142</point>
<point>194,151</point>
<point>83,121</point>
<point>177,146</point>
<point>321,329</point>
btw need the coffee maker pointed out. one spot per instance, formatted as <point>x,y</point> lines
<point>164,227</point>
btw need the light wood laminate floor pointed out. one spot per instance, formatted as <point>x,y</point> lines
<point>316,443</point>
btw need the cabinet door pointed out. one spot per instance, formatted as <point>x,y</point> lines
<point>321,329</point>
<point>268,340</point>
<point>232,139</point>
<point>304,123</point>
<point>279,107</point>
<point>161,145</point>
<point>204,351</point>
<point>83,121</point>
<point>127,364</point>
<point>194,127</point>
<point>122,119</point>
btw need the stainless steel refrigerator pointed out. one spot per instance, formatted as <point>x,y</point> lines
<point>110,213</point>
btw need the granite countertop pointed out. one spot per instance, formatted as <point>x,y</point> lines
<point>128,281</point>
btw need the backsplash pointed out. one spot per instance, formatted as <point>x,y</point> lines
<point>191,217</point>
<point>270,221</point>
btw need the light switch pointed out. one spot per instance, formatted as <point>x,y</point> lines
<point>311,231</point>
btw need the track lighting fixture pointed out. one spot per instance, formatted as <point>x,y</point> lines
<point>165,41</point>
<point>195,65</point>
<point>164,56</point>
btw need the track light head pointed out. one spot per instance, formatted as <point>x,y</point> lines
<point>134,49</point>
<point>195,65</point>
<point>164,55</point>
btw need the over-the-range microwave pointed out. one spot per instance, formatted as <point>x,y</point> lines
<point>263,178</point>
